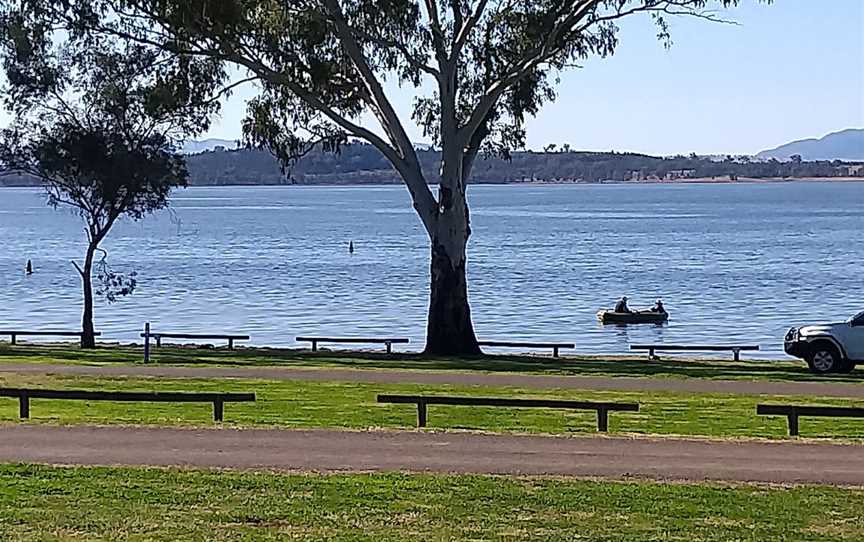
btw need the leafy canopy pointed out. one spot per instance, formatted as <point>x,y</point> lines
<point>96,123</point>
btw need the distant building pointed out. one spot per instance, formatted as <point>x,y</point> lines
<point>850,170</point>
<point>680,174</point>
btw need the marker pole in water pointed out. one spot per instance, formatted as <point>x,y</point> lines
<point>147,342</point>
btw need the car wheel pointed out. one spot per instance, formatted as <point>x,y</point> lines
<point>824,358</point>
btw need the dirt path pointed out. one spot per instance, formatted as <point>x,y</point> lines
<point>321,450</point>
<point>377,376</point>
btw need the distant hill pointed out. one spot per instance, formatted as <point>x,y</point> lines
<point>847,145</point>
<point>194,147</point>
<point>359,163</point>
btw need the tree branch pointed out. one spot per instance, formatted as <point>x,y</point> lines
<point>464,30</point>
<point>409,166</point>
<point>437,31</point>
<point>391,123</point>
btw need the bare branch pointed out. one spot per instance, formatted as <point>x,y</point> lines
<point>465,29</point>
<point>409,166</point>
<point>437,31</point>
<point>391,123</point>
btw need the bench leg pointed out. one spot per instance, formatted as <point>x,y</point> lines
<point>554,351</point>
<point>793,424</point>
<point>421,414</point>
<point>218,409</point>
<point>602,420</point>
<point>389,347</point>
<point>23,406</point>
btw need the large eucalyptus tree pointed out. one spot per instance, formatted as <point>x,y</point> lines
<point>322,64</point>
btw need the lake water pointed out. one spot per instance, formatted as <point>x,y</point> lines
<point>732,262</point>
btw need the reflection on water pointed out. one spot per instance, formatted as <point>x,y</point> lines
<point>732,263</point>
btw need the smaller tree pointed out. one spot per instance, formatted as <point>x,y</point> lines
<point>98,128</point>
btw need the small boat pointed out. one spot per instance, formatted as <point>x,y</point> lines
<point>638,317</point>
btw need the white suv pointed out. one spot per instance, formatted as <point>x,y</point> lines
<point>829,348</point>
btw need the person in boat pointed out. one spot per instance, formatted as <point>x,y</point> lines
<point>29,268</point>
<point>621,306</point>
<point>658,307</point>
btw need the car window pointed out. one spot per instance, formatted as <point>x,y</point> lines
<point>858,320</point>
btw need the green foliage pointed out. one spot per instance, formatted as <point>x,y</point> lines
<point>95,122</point>
<point>98,133</point>
<point>320,63</point>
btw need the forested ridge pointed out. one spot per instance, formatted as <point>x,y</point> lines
<point>363,164</point>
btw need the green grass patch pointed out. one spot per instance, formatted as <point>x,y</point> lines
<point>47,504</point>
<point>298,404</point>
<point>632,366</point>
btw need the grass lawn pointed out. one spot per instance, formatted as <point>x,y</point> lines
<point>296,404</point>
<point>76,504</point>
<point>632,366</point>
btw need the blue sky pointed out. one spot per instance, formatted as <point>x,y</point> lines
<point>790,70</point>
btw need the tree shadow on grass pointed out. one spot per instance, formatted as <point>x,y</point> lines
<point>601,366</point>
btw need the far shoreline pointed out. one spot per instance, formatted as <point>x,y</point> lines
<point>724,180</point>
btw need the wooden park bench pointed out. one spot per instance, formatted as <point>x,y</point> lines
<point>196,336</point>
<point>422,401</point>
<point>388,341</point>
<point>511,344</point>
<point>735,349</point>
<point>793,412</point>
<point>48,333</point>
<point>218,399</point>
